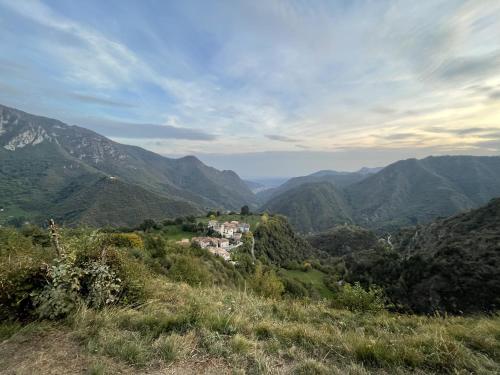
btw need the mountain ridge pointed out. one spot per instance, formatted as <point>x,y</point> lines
<point>48,155</point>
<point>404,193</point>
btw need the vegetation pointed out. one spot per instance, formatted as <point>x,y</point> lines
<point>275,241</point>
<point>81,177</point>
<point>407,192</point>
<point>132,300</point>
<point>224,330</point>
<point>448,266</point>
<point>311,207</point>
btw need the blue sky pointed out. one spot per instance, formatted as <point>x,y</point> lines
<point>289,86</point>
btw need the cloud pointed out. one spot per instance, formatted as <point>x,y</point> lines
<point>461,131</point>
<point>126,130</point>
<point>495,95</point>
<point>280,138</point>
<point>399,136</point>
<point>100,101</point>
<point>470,68</point>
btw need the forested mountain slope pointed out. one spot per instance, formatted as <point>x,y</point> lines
<point>43,161</point>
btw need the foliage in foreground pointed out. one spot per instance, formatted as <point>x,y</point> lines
<point>252,334</point>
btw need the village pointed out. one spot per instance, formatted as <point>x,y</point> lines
<point>221,238</point>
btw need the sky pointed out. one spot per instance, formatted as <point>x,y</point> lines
<point>267,88</point>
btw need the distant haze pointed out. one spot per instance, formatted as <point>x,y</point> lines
<point>291,164</point>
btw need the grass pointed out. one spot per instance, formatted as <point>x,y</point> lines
<point>312,276</point>
<point>181,326</point>
<point>175,233</point>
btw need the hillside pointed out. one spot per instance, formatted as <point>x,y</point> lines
<point>448,265</point>
<point>42,158</point>
<point>133,304</point>
<point>404,193</point>
<point>339,179</point>
<point>276,242</point>
<point>343,240</point>
<point>110,200</point>
<point>312,207</point>
<point>415,191</point>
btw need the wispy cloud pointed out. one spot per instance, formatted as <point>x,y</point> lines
<point>100,101</point>
<point>280,138</point>
<point>125,130</point>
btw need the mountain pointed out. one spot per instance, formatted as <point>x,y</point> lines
<point>339,179</point>
<point>414,191</point>
<point>448,265</point>
<point>46,163</point>
<point>255,187</point>
<point>404,193</point>
<point>312,206</point>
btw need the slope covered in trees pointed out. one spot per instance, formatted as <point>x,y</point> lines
<point>448,265</point>
<point>404,193</point>
<point>44,160</point>
<point>312,207</point>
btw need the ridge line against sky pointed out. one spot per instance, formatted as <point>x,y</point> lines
<point>331,80</point>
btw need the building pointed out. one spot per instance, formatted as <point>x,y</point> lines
<point>203,242</point>
<point>231,230</point>
<point>220,252</point>
<point>244,227</point>
<point>206,242</point>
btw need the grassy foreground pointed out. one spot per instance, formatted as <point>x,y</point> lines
<point>183,329</point>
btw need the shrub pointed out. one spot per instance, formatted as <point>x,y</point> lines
<point>355,298</point>
<point>189,269</point>
<point>156,246</point>
<point>129,240</point>
<point>266,283</point>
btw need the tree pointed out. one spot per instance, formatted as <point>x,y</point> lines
<point>245,210</point>
<point>147,225</point>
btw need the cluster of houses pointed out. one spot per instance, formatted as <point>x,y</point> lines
<point>231,233</point>
<point>232,230</point>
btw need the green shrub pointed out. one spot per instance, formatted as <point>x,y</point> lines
<point>189,269</point>
<point>356,298</point>
<point>266,283</point>
<point>156,246</point>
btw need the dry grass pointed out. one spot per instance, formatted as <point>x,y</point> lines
<point>212,330</point>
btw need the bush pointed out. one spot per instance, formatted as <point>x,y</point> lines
<point>266,283</point>
<point>189,269</point>
<point>34,283</point>
<point>156,246</point>
<point>355,298</point>
<point>22,270</point>
<point>129,240</point>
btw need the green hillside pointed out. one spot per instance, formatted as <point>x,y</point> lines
<point>415,191</point>
<point>276,241</point>
<point>404,193</point>
<point>44,162</point>
<point>133,303</point>
<point>448,265</point>
<point>312,207</point>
